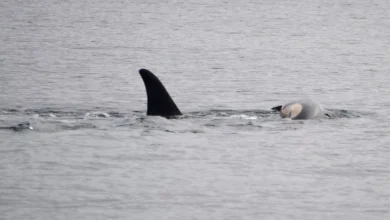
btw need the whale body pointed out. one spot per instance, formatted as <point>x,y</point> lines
<point>160,103</point>
<point>301,110</point>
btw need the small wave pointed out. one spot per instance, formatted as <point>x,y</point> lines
<point>341,113</point>
<point>9,111</point>
<point>245,117</point>
<point>77,126</point>
<point>54,113</point>
<point>97,114</point>
<point>18,127</point>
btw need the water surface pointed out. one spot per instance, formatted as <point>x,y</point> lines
<point>70,70</point>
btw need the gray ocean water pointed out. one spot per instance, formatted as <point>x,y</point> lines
<point>70,70</point>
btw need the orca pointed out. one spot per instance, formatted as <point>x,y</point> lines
<point>160,102</point>
<point>301,110</point>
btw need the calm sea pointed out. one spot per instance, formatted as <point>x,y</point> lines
<point>69,70</point>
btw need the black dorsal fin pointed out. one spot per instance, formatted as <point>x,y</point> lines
<point>159,101</point>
